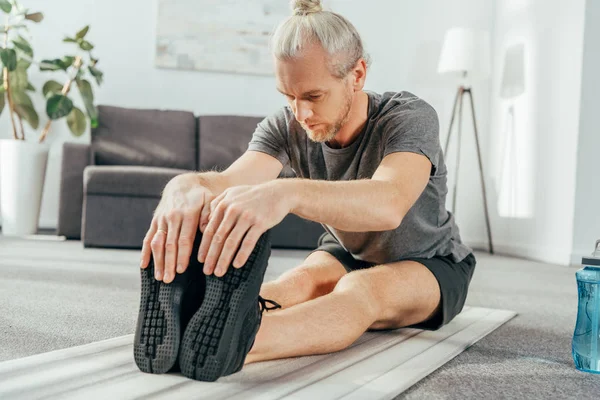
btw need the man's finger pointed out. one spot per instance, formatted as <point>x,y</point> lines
<point>171,248</point>
<point>205,213</point>
<point>247,246</point>
<point>158,250</point>
<point>231,245</point>
<point>209,232</point>
<point>146,249</point>
<point>219,240</point>
<point>189,230</point>
<point>216,201</point>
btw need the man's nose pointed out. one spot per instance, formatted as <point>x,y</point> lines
<point>303,111</point>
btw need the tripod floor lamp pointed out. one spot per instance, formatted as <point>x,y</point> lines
<point>466,52</point>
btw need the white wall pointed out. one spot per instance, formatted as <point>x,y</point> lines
<point>546,128</point>
<point>587,198</point>
<point>403,38</point>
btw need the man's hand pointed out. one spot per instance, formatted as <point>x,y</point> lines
<point>240,212</point>
<point>184,207</point>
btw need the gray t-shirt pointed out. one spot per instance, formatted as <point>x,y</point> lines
<point>397,122</point>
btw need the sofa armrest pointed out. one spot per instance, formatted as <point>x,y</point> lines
<point>75,158</point>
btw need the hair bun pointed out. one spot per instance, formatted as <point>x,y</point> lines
<point>306,7</point>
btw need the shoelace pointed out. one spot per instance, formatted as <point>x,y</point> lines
<point>263,304</point>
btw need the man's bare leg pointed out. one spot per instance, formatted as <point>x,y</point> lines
<point>315,277</point>
<point>383,297</point>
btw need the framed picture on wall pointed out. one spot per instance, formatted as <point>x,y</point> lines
<point>217,35</point>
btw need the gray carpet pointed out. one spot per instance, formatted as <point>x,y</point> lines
<point>55,295</point>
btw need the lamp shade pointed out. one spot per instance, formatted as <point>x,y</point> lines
<point>465,50</point>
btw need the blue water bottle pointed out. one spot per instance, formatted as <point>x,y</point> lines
<point>586,340</point>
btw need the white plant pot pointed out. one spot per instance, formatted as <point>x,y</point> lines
<point>22,173</point>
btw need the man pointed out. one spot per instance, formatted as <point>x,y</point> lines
<point>370,170</point>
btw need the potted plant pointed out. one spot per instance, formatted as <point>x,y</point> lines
<point>22,160</point>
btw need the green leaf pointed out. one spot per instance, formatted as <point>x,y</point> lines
<point>76,121</point>
<point>24,48</point>
<point>23,64</point>
<point>87,95</point>
<point>9,58</point>
<point>67,61</point>
<point>81,34</point>
<point>35,17</point>
<point>5,6</point>
<point>24,107</point>
<point>18,79</point>
<point>21,98</point>
<point>69,40</point>
<point>58,106</point>
<point>85,45</point>
<point>50,65</point>
<point>2,102</point>
<point>96,74</point>
<point>28,114</point>
<point>21,39</point>
<point>24,44</point>
<point>57,64</point>
<point>30,87</point>
<point>51,87</point>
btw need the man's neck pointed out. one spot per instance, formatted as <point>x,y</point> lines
<point>357,119</point>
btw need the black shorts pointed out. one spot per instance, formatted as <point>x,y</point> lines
<point>454,279</point>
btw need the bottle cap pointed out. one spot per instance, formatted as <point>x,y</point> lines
<point>595,257</point>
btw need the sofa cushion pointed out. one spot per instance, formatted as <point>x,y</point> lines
<point>127,180</point>
<point>160,138</point>
<point>223,139</point>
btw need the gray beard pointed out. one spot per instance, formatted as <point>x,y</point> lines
<point>333,131</point>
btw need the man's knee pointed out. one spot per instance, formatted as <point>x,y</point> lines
<point>299,278</point>
<point>361,285</point>
<point>317,275</point>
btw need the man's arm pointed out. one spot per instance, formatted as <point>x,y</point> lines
<point>241,215</point>
<point>375,204</point>
<point>252,168</point>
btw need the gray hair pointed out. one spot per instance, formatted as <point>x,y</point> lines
<point>310,24</point>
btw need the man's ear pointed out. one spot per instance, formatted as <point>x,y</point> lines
<point>359,74</point>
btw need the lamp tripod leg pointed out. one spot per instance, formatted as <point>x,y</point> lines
<point>460,106</point>
<point>487,217</point>
<point>458,92</point>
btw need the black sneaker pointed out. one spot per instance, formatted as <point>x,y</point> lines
<point>222,332</point>
<point>165,310</point>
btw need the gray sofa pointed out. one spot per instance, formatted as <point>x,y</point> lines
<point>110,188</point>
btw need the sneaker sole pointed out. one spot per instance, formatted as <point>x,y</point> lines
<point>211,342</point>
<point>158,331</point>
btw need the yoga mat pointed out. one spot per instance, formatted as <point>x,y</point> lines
<point>379,365</point>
